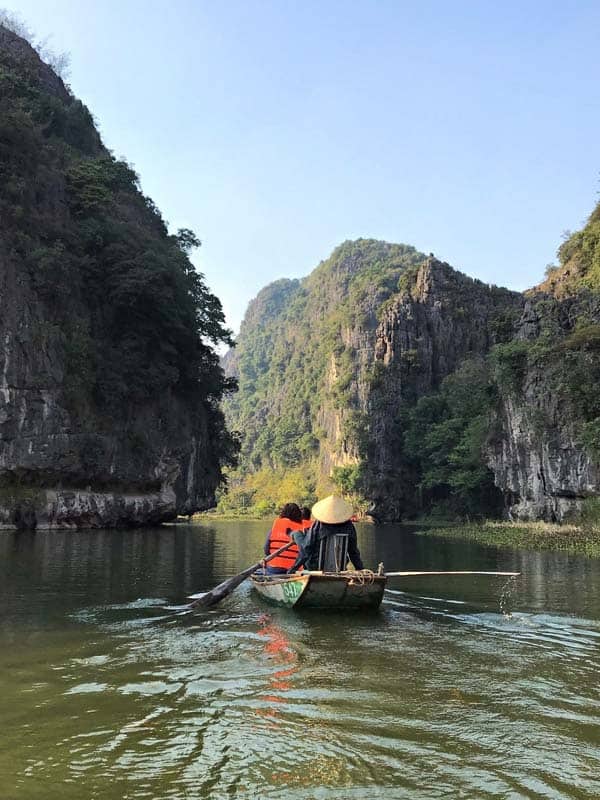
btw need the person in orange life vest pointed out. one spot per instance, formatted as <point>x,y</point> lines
<point>288,521</point>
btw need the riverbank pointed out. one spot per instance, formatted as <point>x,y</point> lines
<point>221,516</point>
<point>567,538</point>
<point>206,516</point>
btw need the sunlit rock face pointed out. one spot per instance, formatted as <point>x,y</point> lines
<point>537,453</point>
<point>424,336</point>
<point>543,476</point>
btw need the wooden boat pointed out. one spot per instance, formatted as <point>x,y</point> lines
<point>352,590</point>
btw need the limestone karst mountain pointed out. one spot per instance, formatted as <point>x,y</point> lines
<point>416,388</point>
<point>109,387</point>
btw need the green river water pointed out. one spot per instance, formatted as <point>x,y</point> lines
<point>464,687</point>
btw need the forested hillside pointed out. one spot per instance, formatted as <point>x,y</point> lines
<point>109,381</point>
<point>289,340</point>
<point>288,337</point>
<point>415,389</point>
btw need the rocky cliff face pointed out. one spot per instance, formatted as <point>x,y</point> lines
<point>57,470</point>
<point>539,455</point>
<point>544,475</point>
<point>534,448</point>
<point>424,335</point>
<point>546,455</point>
<point>86,439</point>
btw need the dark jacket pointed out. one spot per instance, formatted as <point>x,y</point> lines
<point>310,545</point>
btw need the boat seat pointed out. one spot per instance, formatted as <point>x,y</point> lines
<point>333,553</point>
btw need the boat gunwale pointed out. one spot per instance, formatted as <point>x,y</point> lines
<point>319,576</point>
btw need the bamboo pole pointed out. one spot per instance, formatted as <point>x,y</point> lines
<point>412,573</point>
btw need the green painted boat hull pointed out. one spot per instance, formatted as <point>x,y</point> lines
<point>333,590</point>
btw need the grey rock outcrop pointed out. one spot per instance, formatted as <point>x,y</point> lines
<point>543,473</point>
<point>536,454</point>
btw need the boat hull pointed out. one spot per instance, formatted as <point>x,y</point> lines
<point>322,590</point>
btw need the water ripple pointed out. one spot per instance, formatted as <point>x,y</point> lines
<point>435,697</point>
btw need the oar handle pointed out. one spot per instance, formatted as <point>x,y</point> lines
<point>276,553</point>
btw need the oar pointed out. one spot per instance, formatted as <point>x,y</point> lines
<point>221,591</point>
<point>410,574</point>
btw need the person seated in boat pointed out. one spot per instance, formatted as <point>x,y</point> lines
<point>288,522</point>
<point>300,536</point>
<point>331,540</point>
<point>306,520</point>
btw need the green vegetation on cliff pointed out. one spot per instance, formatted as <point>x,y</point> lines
<point>295,363</point>
<point>444,437</point>
<point>579,261</point>
<point>312,387</point>
<point>569,361</point>
<point>292,334</point>
<point>121,296</point>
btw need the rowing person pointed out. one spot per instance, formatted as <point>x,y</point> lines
<point>331,540</point>
<point>288,521</point>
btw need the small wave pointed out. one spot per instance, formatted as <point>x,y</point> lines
<point>87,688</point>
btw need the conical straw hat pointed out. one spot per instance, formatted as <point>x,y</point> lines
<point>332,510</point>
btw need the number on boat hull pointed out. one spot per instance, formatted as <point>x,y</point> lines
<point>292,591</point>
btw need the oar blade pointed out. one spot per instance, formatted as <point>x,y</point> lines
<point>220,592</point>
<point>214,596</point>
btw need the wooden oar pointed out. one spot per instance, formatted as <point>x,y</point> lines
<point>214,596</point>
<point>411,574</point>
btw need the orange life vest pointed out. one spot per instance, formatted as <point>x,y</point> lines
<point>306,523</point>
<point>278,537</point>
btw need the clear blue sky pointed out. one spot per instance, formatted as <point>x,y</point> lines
<point>278,129</point>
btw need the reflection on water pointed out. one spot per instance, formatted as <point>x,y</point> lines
<point>279,649</point>
<point>459,687</point>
